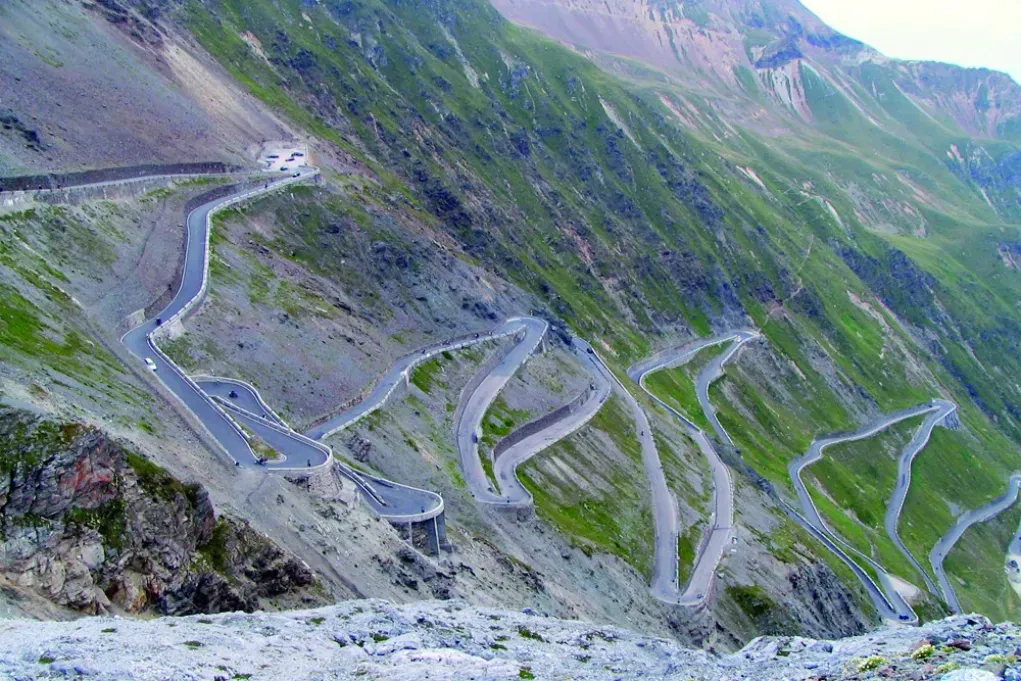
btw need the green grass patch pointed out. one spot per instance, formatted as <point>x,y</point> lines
<point>676,386</point>
<point>603,505</point>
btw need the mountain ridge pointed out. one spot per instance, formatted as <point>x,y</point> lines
<point>765,36</point>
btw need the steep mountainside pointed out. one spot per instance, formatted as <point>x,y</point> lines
<point>695,168</point>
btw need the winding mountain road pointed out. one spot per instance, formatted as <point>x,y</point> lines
<point>511,492</point>
<point>232,420</point>
<point>141,341</point>
<point>937,415</point>
<point>231,411</point>
<point>887,599</point>
<point>946,543</point>
<point>666,586</point>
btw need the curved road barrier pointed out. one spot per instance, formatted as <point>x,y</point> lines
<point>666,582</point>
<point>477,400</point>
<point>946,543</point>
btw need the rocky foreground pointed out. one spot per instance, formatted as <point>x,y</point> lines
<point>376,639</point>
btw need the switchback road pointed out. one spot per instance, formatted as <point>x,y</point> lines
<point>887,600</point>
<point>666,585</point>
<point>946,543</point>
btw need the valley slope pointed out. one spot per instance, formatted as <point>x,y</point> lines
<point>697,168</point>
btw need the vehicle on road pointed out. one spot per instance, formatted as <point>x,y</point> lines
<point>590,351</point>
<point>159,321</point>
<point>151,364</point>
<point>296,175</point>
<point>905,617</point>
<point>283,168</point>
<point>273,156</point>
<point>233,394</point>
<point>298,154</point>
<point>475,437</point>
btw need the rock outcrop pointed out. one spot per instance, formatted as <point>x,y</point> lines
<point>375,639</point>
<point>89,525</point>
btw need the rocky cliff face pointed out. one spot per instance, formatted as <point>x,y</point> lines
<point>88,525</point>
<point>449,640</point>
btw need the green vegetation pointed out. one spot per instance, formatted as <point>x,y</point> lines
<point>108,519</point>
<point>687,542</point>
<point>858,479</point>
<point>216,550</point>
<point>676,386</point>
<point>752,600</point>
<point>159,483</point>
<point>870,663</point>
<point>500,420</point>
<point>263,448</point>
<point>525,632</point>
<point>425,376</point>
<point>976,567</point>
<point>27,442</point>
<point>766,616</point>
<point>603,503</point>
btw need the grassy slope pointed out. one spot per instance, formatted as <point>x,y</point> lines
<point>44,332</point>
<point>676,386</point>
<point>604,501</point>
<point>859,477</point>
<point>528,165</point>
<point>976,568</point>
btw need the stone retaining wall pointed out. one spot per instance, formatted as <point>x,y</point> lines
<point>61,180</point>
<point>541,423</point>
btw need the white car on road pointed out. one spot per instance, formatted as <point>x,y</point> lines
<point>151,364</point>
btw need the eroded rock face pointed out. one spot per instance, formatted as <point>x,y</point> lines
<point>87,524</point>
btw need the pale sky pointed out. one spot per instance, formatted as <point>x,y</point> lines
<point>966,32</point>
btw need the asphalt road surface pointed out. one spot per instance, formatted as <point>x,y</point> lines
<point>228,419</point>
<point>941,410</point>
<point>238,393</point>
<point>505,467</point>
<point>468,429</point>
<point>665,583</point>
<point>141,340</point>
<point>946,543</point>
<point>886,599</point>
